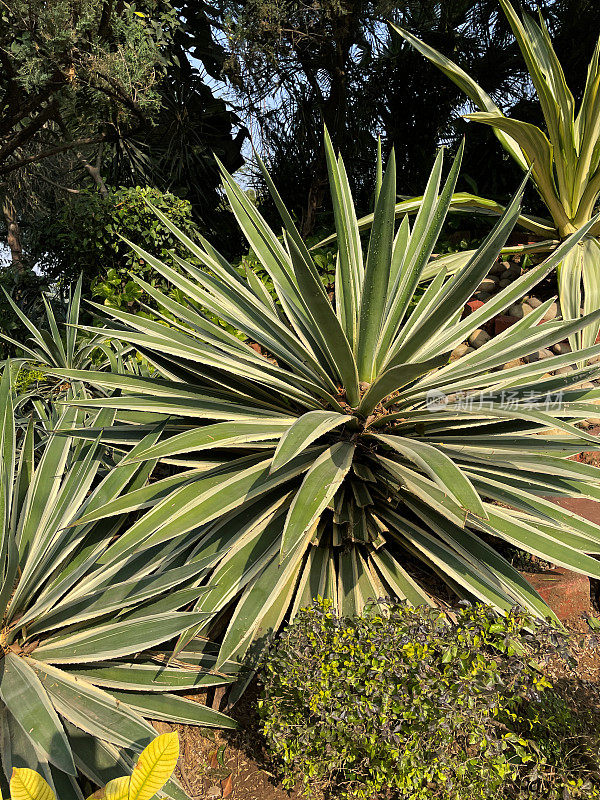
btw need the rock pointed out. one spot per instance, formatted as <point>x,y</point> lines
<point>519,310</point>
<point>483,296</point>
<point>479,338</point>
<point>594,360</point>
<point>561,348</point>
<point>516,362</point>
<point>567,593</point>
<point>502,322</point>
<point>460,351</point>
<point>552,313</point>
<point>499,267</point>
<point>534,302</point>
<point>513,272</point>
<point>487,285</point>
<point>539,355</point>
<point>504,282</point>
<point>586,385</point>
<point>563,370</point>
<point>472,305</point>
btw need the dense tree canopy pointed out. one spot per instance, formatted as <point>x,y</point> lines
<point>106,93</point>
<point>297,65</point>
<point>120,94</point>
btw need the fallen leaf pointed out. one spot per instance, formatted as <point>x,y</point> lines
<point>227,786</point>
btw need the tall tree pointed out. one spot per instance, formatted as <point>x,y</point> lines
<point>99,93</point>
<point>74,76</point>
<point>62,59</point>
<point>299,64</point>
<point>176,150</point>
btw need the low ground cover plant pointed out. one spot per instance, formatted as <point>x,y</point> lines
<point>409,703</point>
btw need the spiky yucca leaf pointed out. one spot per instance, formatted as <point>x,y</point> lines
<point>65,346</point>
<point>564,159</point>
<point>321,465</point>
<point>82,634</point>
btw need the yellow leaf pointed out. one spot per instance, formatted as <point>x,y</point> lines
<point>117,789</point>
<point>26,784</point>
<point>154,767</point>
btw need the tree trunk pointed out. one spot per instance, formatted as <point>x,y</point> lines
<point>13,236</point>
<point>94,171</point>
<point>316,194</point>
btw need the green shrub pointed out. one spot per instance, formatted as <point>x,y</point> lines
<point>85,240</point>
<point>409,702</point>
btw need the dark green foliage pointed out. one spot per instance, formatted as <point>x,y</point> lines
<point>75,74</point>
<point>86,240</point>
<point>408,702</point>
<point>299,64</point>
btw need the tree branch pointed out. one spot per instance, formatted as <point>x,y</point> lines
<point>27,132</point>
<point>6,168</point>
<point>25,109</point>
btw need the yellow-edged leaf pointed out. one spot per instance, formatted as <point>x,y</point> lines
<point>25,784</point>
<point>154,767</point>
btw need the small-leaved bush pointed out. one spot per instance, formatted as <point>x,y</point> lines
<point>409,702</point>
<point>86,241</point>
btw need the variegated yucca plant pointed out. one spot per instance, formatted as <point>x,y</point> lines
<point>71,348</point>
<point>84,626</point>
<point>313,460</point>
<point>564,159</point>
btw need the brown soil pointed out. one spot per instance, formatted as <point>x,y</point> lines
<point>591,456</point>
<point>215,764</point>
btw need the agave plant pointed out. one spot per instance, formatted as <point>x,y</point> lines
<point>83,658</point>
<point>338,461</point>
<point>564,160</point>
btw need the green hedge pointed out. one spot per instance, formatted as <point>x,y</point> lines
<point>412,703</point>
